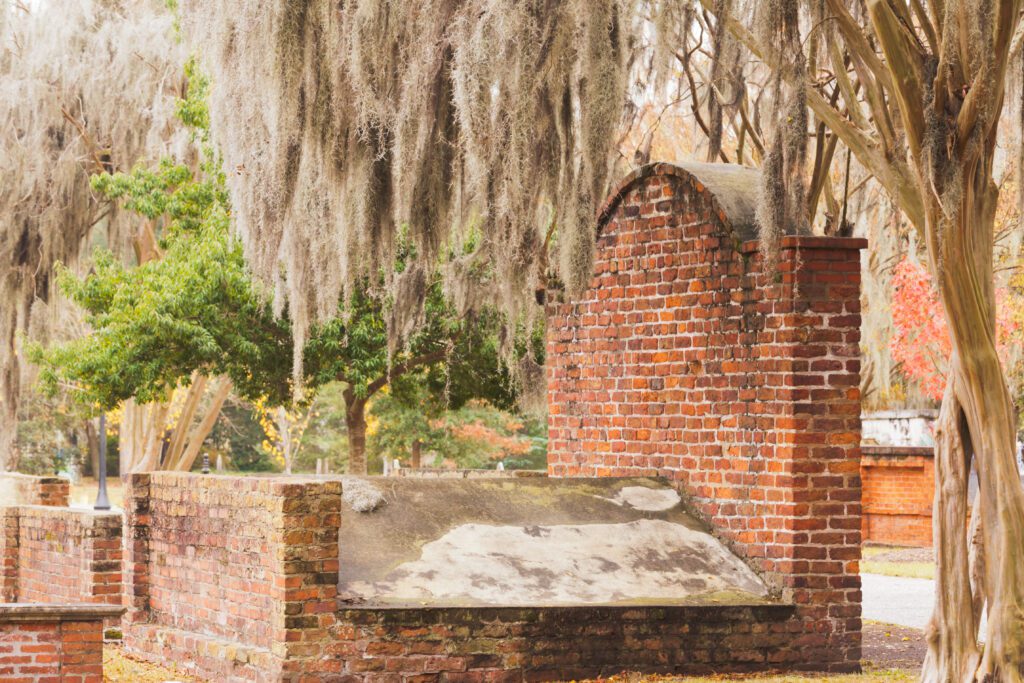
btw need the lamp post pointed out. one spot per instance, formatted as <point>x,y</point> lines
<point>102,503</point>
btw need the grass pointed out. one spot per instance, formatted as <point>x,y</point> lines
<point>120,668</point>
<point>911,570</point>
<point>84,493</point>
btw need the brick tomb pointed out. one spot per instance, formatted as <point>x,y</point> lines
<point>686,361</point>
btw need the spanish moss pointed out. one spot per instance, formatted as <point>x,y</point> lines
<point>351,131</point>
<point>85,87</point>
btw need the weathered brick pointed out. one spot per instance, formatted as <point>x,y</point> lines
<point>759,367</point>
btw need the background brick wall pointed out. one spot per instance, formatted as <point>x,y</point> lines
<point>235,575</point>
<point>686,360</point>
<point>60,555</point>
<point>24,489</point>
<point>899,490</point>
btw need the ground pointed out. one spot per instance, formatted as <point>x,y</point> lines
<point>914,563</point>
<point>83,494</point>
<point>119,668</point>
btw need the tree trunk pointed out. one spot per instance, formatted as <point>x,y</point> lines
<point>960,256</point>
<point>285,433</point>
<point>355,422</point>
<point>198,436</point>
<point>92,441</point>
<point>952,633</point>
<point>417,453</point>
<point>180,432</point>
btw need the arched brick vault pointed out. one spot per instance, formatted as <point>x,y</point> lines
<point>685,360</point>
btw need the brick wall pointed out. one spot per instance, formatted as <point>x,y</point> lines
<point>51,643</point>
<point>60,555</point>
<point>24,489</point>
<point>685,360</point>
<point>235,577</point>
<point>559,643</point>
<point>899,490</point>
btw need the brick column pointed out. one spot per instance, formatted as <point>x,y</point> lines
<point>102,555</point>
<point>811,363</point>
<point>306,586</point>
<point>135,566</point>
<point>53,492</point>
<point>8,554</point>
<point>53,642</point>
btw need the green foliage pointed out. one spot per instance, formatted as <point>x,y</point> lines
<point>154,324</point>
<point>196,308</point>
<point>476,435</point>
<point>326,436</point>
<point>47,435</point>
<point>236,438</point>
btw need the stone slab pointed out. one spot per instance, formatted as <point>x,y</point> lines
<point>536,541</point>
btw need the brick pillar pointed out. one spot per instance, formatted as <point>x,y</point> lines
<point>135,567</point>
<point>102,555</point>
<point>306,583</point>
<point>8,554</point>
<point>812,366</point>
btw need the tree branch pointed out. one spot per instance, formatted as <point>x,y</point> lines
<point>894,177</point>
<point>903,53</point>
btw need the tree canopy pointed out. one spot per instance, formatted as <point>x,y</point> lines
<point>84,86</point>
<point>194,310</point>
<point>377,118</point>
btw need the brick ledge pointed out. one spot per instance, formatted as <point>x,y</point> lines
<point>11,612</point>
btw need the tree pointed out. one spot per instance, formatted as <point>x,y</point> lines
<point>192,312</point>
<point>475,435</point>
<point>284,430</point>
<point>150,349</point>
<point>66,112</point>
<point>921,342</point>
<point>916,91</point>
<point>453,356</point>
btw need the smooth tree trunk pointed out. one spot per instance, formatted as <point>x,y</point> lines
<point>144,428</point>
<point>960,257</point>
<point>285,433</point>
<point>92,440</point>
<point>417,454</point>
<point>182,461</point>
<point>355,423</point>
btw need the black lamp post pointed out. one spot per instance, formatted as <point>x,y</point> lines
<point>102,503</point>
